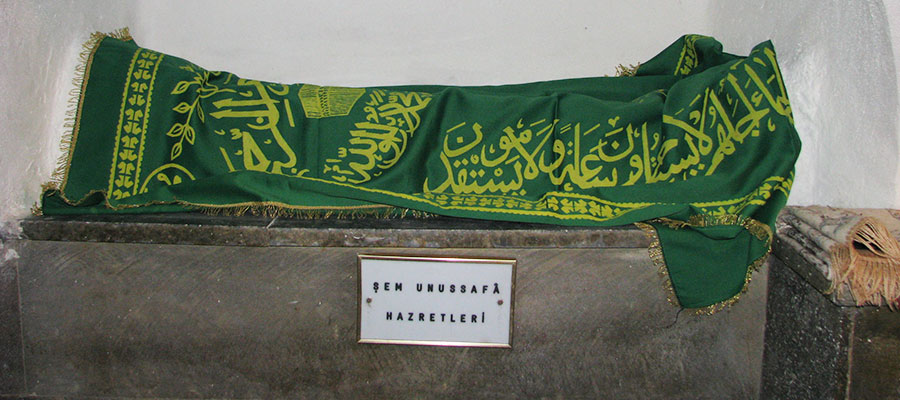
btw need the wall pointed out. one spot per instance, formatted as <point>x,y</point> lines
<point>839,66</point>
<point>838,59</point>
<point>39,46</point>
<point>413,41</point>
<point>893,12</point>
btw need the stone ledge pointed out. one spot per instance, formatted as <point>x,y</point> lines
<point>435,232</point>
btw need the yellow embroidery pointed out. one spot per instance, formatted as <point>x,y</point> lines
<point>255,108</point>
<point>688,59</point>
<point>133,119</point>
<point>184,131</point>
<point>495,175</point>
<point>758,197</point>
<point>328,101</point>
<point>588,154</point>
<point>555,204</point>
<point>169,174</point>
<point>173,173</point>
<point>256,113</point>
<point>377,143</point>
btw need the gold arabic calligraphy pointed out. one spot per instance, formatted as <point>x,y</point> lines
<point>694,140</point>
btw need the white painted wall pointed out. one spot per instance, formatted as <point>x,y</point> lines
<point>839,66</point>
<point>838,57</point>
<point>893,15</point>
<point>415,41</point>
<point>39,46</point>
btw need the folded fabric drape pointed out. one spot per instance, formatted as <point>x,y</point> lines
<point>698,147</point>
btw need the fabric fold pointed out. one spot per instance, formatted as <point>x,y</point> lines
<point>699,144</point>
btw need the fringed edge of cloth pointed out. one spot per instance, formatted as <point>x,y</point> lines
<point>272,210</point>
<point>73,107</point>
<point>869,263</point>
<point>656,256</point>
<point>630,70</point>
<point>758,229</point>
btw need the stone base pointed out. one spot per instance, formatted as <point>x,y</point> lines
<point>278,319</point>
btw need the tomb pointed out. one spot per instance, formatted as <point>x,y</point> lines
<point>202,306</point>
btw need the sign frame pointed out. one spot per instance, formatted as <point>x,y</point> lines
<point>449,260</point>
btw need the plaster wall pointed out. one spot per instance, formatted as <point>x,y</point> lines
<point>838,58</point>
<point>39,46</point>
<point>839,62</point>
<point>893,13</point>
<point>413,41</point>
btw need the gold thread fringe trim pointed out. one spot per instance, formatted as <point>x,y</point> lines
<point>73,110</point>
<point>271,211</point>
<point>755,266</point>
<point>872,272</point>
<point>630,70</point>
<point>758,229</point>
<point>266,208</point>
<point>656,255</point>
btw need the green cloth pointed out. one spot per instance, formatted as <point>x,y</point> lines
<point>699,143</point>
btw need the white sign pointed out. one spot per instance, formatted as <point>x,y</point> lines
<point>436,301</point>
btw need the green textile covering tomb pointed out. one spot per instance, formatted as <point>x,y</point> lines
<point>697,148</point>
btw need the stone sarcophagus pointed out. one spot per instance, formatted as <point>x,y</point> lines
<point>201,306</point>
